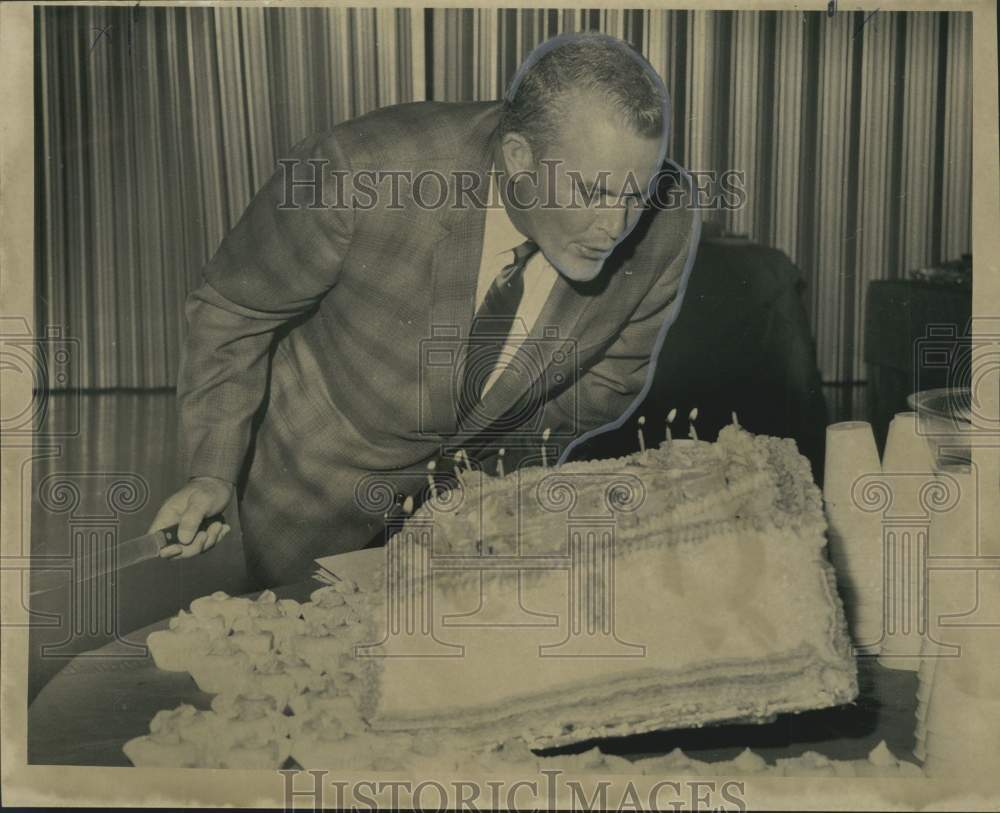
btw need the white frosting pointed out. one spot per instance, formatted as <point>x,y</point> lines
<point>718,578</point>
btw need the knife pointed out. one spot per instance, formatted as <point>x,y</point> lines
<point>103,560</point>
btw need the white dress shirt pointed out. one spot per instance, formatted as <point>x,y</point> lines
<point>500,238</point>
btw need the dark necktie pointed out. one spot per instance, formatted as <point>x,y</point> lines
<point>491,327</point>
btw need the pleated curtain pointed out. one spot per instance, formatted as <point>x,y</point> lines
<point>155,126</point>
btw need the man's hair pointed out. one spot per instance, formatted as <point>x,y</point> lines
<point>537,98</point>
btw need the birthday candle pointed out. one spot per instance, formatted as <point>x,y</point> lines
<point>457,457</point>
<point>545,439</point>
<point>692,417</point>
<point>736,421</point>
<point>670,419</point>
<point>430,475</point>
<point>642,440</point>
<point>500,455</point>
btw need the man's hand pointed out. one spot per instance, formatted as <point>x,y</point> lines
<point>200,498</point>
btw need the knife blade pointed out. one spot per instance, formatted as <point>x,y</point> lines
<point>107,559</point>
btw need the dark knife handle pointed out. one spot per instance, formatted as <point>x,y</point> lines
<point>170,534</point>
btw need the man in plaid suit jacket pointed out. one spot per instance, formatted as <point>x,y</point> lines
<point>324,343</point>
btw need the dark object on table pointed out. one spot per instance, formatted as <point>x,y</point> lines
<point>944,418</point>
<point>742,344</point>
<point>916,338</point>
<point>954,272</point>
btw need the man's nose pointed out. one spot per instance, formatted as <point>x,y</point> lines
<point>614,222</point>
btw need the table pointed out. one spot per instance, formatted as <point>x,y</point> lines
<point>104,698</point>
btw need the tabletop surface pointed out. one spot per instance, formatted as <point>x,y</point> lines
<point>104,698</point>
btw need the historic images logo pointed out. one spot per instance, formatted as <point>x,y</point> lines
<point>38,364</point>
<point>83,604</point>
<point>313,184</point>
<point>549,789</point>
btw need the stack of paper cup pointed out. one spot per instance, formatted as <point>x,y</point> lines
<point>954,595</point>
<point>855,534</point>
<point>962,725</point>
<point>930,654</point>
<point>907,466</point>
<point>905,621</point>
<point>907,451</point>
<point>955,531</point>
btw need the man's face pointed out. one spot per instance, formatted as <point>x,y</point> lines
<point>591,185</point>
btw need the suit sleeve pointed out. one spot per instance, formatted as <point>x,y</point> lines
<point>608,387</point>
<point>282,257</point>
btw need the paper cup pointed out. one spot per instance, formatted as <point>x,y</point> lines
<point>955,532</point>
<point>867,599</point>
<point>975,671</point>
<point>892,658</point>
<point>960,763</point>
<point>906,450</point>
<point>925,683</point>
<point>855,536</point>
<point>967,742</point>
<point>952,595</point>
<point>963,711</point>
<point>867,637</point>
<point>905,601</point>
<point>858,604</point>
<point>862,571</point>
<point>850,453</point>
<point>859,558</point>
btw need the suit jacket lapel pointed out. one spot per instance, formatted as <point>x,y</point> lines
<point>456,262</point>
<point>454,275</point>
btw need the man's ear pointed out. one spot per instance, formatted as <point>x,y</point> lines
<point>517,153</point>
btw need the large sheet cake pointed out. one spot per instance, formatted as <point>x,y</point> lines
<point>675,587</point>
<point>681,586</point>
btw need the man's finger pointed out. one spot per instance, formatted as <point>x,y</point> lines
<point>212,535</point>
<point>195,547</point>
<point>188,526</point>
<point>216,532</point>
<point>213,540</point>
<point>167,515</point>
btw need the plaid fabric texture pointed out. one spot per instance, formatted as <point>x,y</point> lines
<point>319,371</point>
